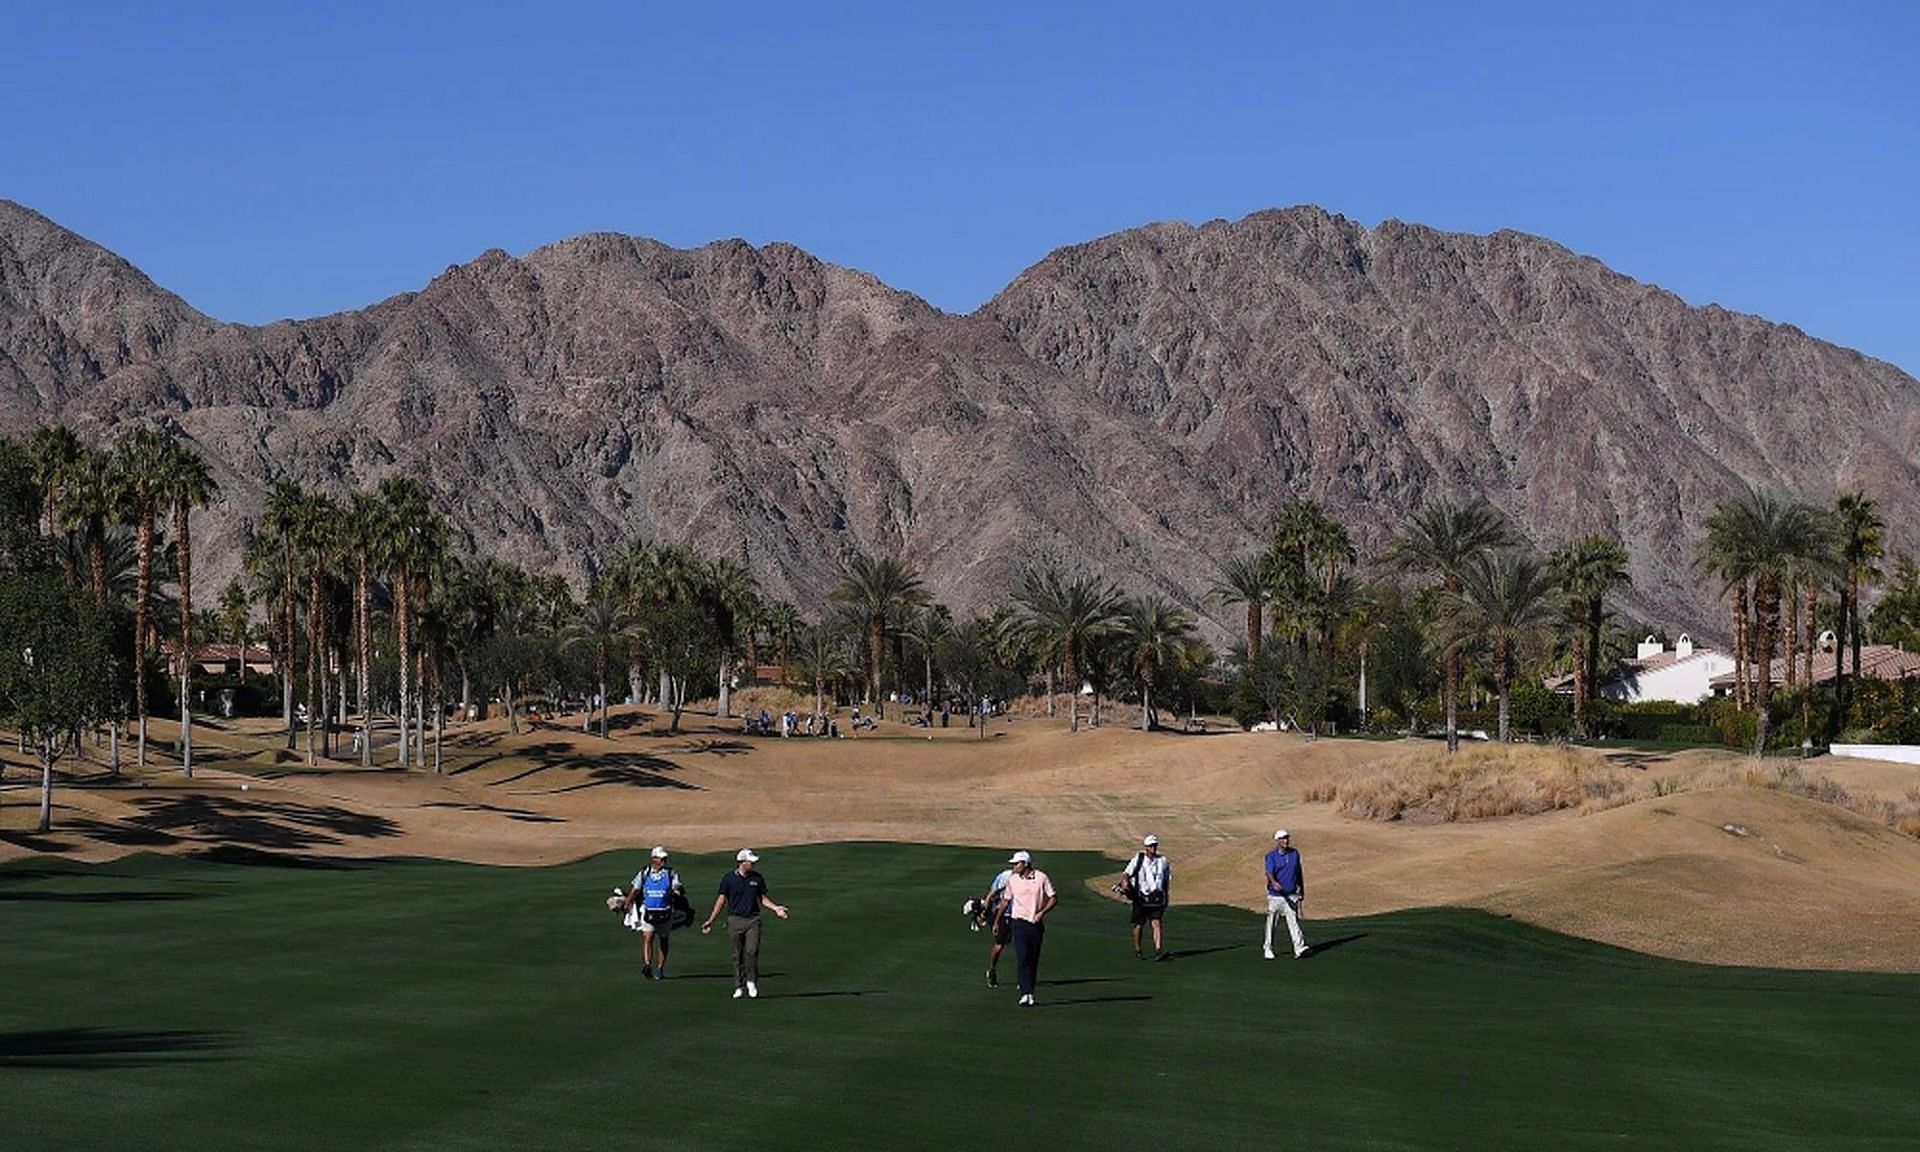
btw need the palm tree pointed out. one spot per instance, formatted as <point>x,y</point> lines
<point>1441,539</point>
<point>601,626</point>
<point>53,452</point>
<point>408,537</point>
<point>1243,580</point>
<point>1503,600</point>
<point>315,535</point>
<point>927,630</point>
<point>651,577</point>
<point>285,501</point>
<point>1862,541</point>
<point>186,483</point>
<point>1754,544</point>
<point>878,590</point>
<point>1585,571</point>
<point>236,612</point>
<point>725,590</point>
<point>1157,635</point>
<point>1064,614</point>
<point>783,623</point>
<point>366,527</point>
<point>88,500</point>
<point>140,461</point>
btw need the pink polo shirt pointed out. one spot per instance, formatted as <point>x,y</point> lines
<point>1027,893</point>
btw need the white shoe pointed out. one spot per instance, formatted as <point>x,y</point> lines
<point>739,992</point>
<point>753,990</point>
<point>1026,1001</point>
<point>1268,953</point>
<point>1302,951</point>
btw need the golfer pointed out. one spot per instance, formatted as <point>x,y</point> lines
<point>1286,891</point>
<point>1030,896</point>
<point>654,888</point>
<point>743,892</point>
<point>999,924</point>
<point>1149,884</point>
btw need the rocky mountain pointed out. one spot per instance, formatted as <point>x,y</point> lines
<point>1140,404</point>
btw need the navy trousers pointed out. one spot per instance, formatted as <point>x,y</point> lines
<point>1027,938</point>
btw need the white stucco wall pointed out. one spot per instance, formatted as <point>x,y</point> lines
<point>1686,681</point>
<point>1898,753</point>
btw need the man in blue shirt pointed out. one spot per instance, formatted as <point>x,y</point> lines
<point>743,892</point>
<point>1286,891</point>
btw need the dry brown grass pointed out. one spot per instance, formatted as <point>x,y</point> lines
<point>1478,784</point>
<point>1900,813</point>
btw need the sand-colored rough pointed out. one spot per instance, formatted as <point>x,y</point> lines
<point>1795,882</point>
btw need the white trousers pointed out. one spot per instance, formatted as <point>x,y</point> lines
<point>1278,906</point>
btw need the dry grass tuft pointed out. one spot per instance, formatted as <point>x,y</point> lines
<point>1478,784</point>
<point>1903,815</point>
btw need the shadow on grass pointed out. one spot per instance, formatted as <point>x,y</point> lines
<point>1082,1001</point>
<point>102,1049</point>
<point>1080,980</point>
<point>242,856</point>
<point>274,824</point>
<point>1329,945</point>
<point>12,897</point>
<point>1184,953</point>
<point>821,995</point>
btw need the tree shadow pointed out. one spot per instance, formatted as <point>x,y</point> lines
<point>100,1049</point>
<point>122,835</point>
<point>715,748</point>
<point>36,843</point>
<point>257,823</point>
<point>523,815</point>
<point>242,856</point>
<point>823,994</point>
<point>1080,980</point>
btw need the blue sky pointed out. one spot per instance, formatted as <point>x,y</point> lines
<point>265,163</point>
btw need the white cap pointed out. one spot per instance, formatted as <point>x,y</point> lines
<point>746,855</point>
<point>1151,841</point>
<point>1280,835</point>
<point>1021,857</point>
<point>659,853</point>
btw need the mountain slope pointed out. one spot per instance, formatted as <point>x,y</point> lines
<point>1139,404</point>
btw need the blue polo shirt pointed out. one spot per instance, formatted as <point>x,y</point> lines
<point>743,893</point>
<point>1283,864</point>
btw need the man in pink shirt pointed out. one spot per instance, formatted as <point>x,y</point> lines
<point>1030,897</point>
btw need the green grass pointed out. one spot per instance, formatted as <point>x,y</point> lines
<point>164,1003</point>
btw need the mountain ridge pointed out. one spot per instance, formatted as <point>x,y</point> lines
<point>1137,404</point>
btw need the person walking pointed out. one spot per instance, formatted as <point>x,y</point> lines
<point>1030,896</point>
<point>1286,891</point>
<point>654,888</point>
<point>1149,885</point>
<point>743,892</point>
<point>999,924</point>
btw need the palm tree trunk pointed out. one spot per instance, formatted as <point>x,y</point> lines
<point>142,596</point>
<point>1590,658</point>
<point>420,708</point>
<point>1051,712</point>
<point>1741,678</point>
<point>184,546</point>
<point>1073,690</point>
<point>928,703</point>
<point>877,640</point>
<point>1146,703</point>
<point>1253,633</point>
<point>1580,685</point>
<point>287,662</point>
<point>1766,614</point>
<point>1792,627</point>
<point>1813,631</point>
<point>1853,621</point>
<point>313,664</point>
<point>404,635</point>
<point>725,707</point>
<point>363,654</point>
<point>1453,700</point>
